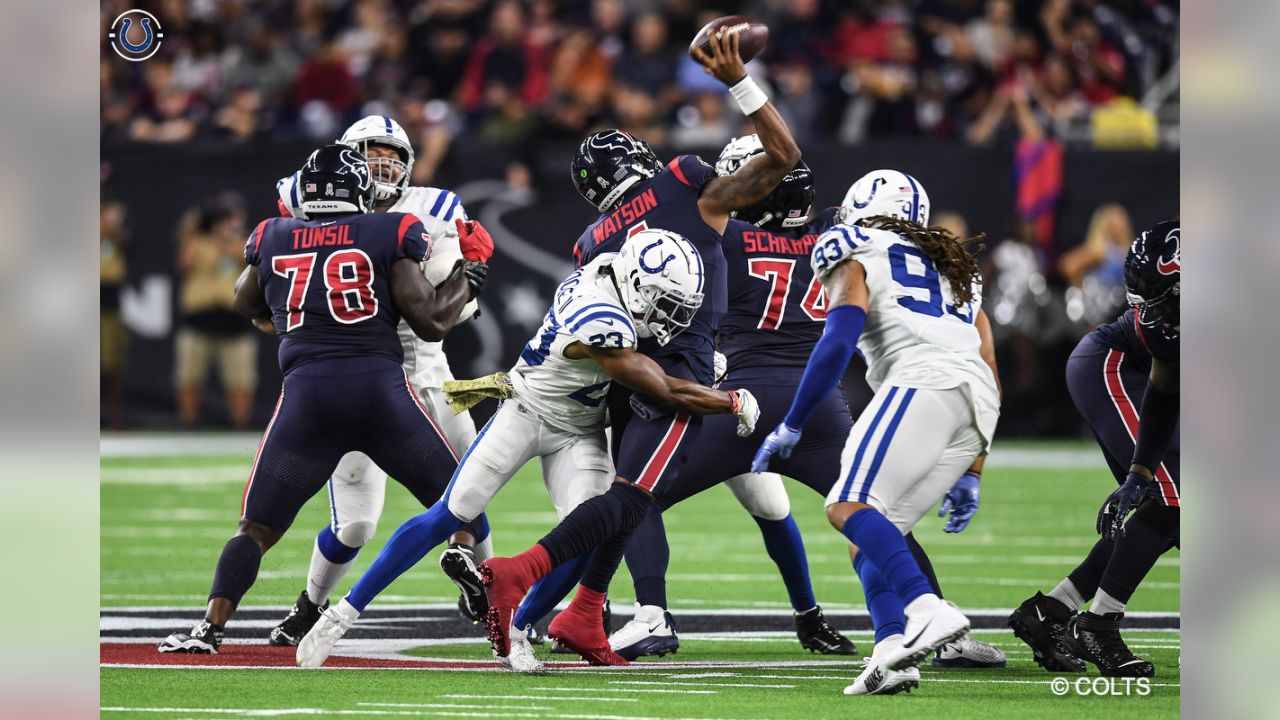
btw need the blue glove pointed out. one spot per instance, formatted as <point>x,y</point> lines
<point>962,502</point>
<point>1125,498</point>
<point>780,442</point>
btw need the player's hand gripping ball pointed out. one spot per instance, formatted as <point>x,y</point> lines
<point>474,241</point>
<point>725,44</point>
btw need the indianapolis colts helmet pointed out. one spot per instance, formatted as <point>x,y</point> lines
<point>788,205</point>
<point>390,175</point>
<point>608,163</point>
<point>660,279</point>
<point>886,192</point>
<point>1153,278</point>
<point>335,180</point>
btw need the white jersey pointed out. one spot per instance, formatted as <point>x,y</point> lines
<point>916,334</point>
<point>566,393</point>
<point>424,361</point>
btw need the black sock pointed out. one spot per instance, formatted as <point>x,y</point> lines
<point>1147,535</point>
<point>237,569</point>
<point>604,565</point>
<point>648,555</point>
<point>922,560</point>
<point>1088,574</point>
<point>595,521</point>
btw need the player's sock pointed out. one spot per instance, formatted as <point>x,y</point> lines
<point>549,591</point>
<point>483,549</point>
<point>1104,603</point>
<point>887,611</point>
<point>1088,574</point>
<point>1147,535</point>
<point>237,569</point>
<point>786,548</point>
<point>595,521</point>
<point>479,528</point>
<point>330,561</point>
<point>926,565</point>
<point>1067,594</point>
<point>406,546</point>
<point>886,548</point>
<point>648,555</point>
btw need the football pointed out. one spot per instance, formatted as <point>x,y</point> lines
<point>754,35</point>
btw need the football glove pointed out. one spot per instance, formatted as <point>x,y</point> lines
<point>719,363</point>
<point>780,442</point>
<point>747,410</point>
<point>962,502</point>
<point>474,241</point>
<point>1124,499</point>
<point>477,273</point>
<point>462,394</point>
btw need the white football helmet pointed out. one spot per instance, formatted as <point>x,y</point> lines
<point>659,276</point>
<point>738,151</point>
<point>390,175</point>
<point>886,192</point>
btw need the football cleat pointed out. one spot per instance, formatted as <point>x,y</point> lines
<point>521,658</point>
<point>930,623</point>
<point>505,585</point>
<point>968,652</point>
<point>582,633</point>
<point>651,633</point>
<point>1096,638</point>
<point>817,636</point>
<point>204,639</point>
<point>606,618</point>
<point>876,679</point>
<point>459,563</point>
<point>1041,622</point>
<point>316,645</point>
<point>300,619</point>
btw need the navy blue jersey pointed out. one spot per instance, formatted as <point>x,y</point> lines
<point>669,201</point>
<point>777,309</point>
<point>1124,334</point>
<point>328,283</point>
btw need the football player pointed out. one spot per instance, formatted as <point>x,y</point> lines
<point>1123,378</point>
<point>625,181</point>
<point>650,289</point>
<point>357,486</point>
<point>775,316</point>
<point>335,287</point>
<point>908,297</point>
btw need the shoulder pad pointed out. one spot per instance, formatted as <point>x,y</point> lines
<point>836,245</point>
<point>598,321</point>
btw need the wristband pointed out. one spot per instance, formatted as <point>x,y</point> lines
<point>735,403</point>
<point>749,95</point>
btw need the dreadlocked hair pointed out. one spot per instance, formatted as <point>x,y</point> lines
<point>954,259</point>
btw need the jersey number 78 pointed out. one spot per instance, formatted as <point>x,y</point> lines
<point>348,276</point>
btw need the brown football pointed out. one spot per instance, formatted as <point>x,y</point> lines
<point>753,35</point>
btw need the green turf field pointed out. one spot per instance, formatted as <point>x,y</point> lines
<point>164,520</point>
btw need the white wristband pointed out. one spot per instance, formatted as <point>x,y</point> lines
<point>749,95</point>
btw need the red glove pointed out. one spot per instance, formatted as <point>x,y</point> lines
<point>474,240</point>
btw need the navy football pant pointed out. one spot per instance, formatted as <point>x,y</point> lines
<point>1107,389</point>
<point>329,408</point>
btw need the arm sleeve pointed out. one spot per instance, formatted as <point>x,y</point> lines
<point>827,363</point>
<point>253,246</point>
<point>412,239</point>
<point>692,171</point>
<point>1157,422</point>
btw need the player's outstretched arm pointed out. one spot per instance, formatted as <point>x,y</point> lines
<point>430,311</point>
<point>762,173</point>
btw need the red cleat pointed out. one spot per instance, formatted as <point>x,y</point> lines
<point>582,631</point>
<point>506,580</point>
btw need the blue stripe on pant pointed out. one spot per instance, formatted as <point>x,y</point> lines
<point>847,486</point>
<point>884,444</point>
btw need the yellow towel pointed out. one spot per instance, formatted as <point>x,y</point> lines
<point>462,394</point>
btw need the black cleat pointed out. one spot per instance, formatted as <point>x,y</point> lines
<point>1041,622</point>
<point>204,639</point>
<point>459,563</point>
<point>817,636</point>
<point>1096,638</point>
<point>304,615</point>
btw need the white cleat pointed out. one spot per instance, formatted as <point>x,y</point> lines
<point>317,644</point>
<point>969,652</point>
<point>650,633</point>
<point>520,657</point>
<point>876,679</point>
<point>930,624</point>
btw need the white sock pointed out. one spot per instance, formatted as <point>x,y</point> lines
<point>484,549</point>
<point>1104,603</point>
<point>324,575</point>
<point>925,603</point>
<point>1067,594</point>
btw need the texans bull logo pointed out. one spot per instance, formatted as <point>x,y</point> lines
<point>1170,261</point>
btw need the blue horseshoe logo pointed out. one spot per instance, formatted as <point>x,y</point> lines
<point>875,184</point>
<point>645,266</point>
<point>124,35</point>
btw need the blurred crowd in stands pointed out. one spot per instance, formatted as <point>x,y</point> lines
<point>977,71</point>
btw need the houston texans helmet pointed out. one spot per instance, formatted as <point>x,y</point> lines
<point>608,163</point>
<point>788,205</point>
<point>1153,277</point>
<point>335,180</point>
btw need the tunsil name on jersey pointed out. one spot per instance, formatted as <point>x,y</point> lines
<point>310,237</point>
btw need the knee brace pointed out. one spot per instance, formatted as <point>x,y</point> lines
<point>762,494</point>
<point>357,533</point>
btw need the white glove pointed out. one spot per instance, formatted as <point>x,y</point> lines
<point>719,363</point>
<point>747,410</point>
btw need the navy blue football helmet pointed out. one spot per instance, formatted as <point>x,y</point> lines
<point>1153,277</point>
<point>608,163</point>
<point>335,181</point>
<point>788,205</point>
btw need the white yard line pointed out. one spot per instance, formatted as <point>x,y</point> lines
<point>687,684</point>
<point>628,690</point>
<point>455,696</point>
